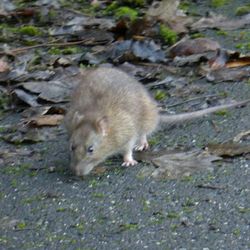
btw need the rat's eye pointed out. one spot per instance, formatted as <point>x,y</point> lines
<point>72,147</point>
<point>90,149</point>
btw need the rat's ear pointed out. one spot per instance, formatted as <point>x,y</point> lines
<point>102,125</point>
<point>77,118</point>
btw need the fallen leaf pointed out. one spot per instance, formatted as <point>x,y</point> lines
<point>46,120</point>
<point>228,74</point>
<point>8,223</point>
<point>174,165</point>
<point>193,46</point>
<point>4,66</point>
<point>192,59</point>
<point>241,136</point>
<point>93,36</point>
<point>130,50</point>
<point>99,170</point>
<point>43,110</point>
<point>220,22</point>
<point>29,136</point>
<point>27,98</point>
<point>240,62</point>
<point>228,59</point>
<point>53,91</point>
<point>228,149</point>
<point>220,60</point>
<point>89,22</point>
<point>165,10</point>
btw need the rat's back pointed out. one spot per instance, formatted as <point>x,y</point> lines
<point>112,92</point>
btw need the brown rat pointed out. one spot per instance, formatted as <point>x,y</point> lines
<point>113,113</point>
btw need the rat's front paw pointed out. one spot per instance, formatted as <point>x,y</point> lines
<point>128,163</point>
<point>143,144</point>
<point>141,147</point>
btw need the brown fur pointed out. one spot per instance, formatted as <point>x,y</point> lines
<point>127,107</point>
<point>111,112</point>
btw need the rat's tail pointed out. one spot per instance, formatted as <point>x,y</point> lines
<point>172,119</point>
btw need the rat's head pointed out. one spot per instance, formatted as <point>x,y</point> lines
<point>86,143</point>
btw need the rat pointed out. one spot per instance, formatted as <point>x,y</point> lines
<point>110,113</point>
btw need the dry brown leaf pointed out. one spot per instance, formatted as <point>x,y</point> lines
<point>240,62</point>
<point>46,120</point>
<point>220,22</point>
<point>167,11</point>
<point>241,136</point>
<point>43,110</point>
<point>228,59</point>
<point>193,46</point>
<point>228,74</point>
<point>4,66</point>
<point>228,149</point>
<point>173,165</point>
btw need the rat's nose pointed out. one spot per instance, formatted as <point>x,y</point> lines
<point>82,168</point>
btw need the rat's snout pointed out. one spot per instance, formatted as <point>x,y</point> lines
<point>82,168</point>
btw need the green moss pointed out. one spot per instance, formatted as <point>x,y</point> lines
<point>54,51</point>
<point>197,35</point>
<point>184,5</point>
<point>173,227</point>
<point>154,140</point>
<point>98,195</point>
<point>21,225</point>
<point>236,232</point>
<point>168,35</point>
<point>34,198</point>
<point>93,183</point>
<point>3,240</point>
<point>61,209</point>
<point>244,210</point>
<point>243,46</point>
<point>219,3</point>
<point>4,101</point>
<point>160,95</point>
<point>71,50</point>
<point>29,30</point>
<point>109,10</point>
<point>223,112</point>
<point>29,43</point>
<point>13,183</point>
<point>66,51</point>
<point>130,226</point>
<point>222,33</point>
<point>146,205</point>
<point>199,218</point>
<point>242,10</point>
<point>189,202</point>
<point>80,226</point>
<point>158,218</point>
<point>126,12</point>
<point>173,215</point>
<point>187,178</point>
<point>139,3</point>
<point>15,170</point>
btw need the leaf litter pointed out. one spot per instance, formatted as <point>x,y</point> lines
<point>42,70</point>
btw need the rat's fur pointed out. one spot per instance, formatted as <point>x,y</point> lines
<point>113,113</point>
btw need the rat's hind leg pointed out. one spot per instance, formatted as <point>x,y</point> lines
<point>128,159</point>
<point>143,143</point>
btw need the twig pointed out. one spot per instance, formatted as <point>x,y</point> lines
<point>208,186</point>
<point>20,50</point>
